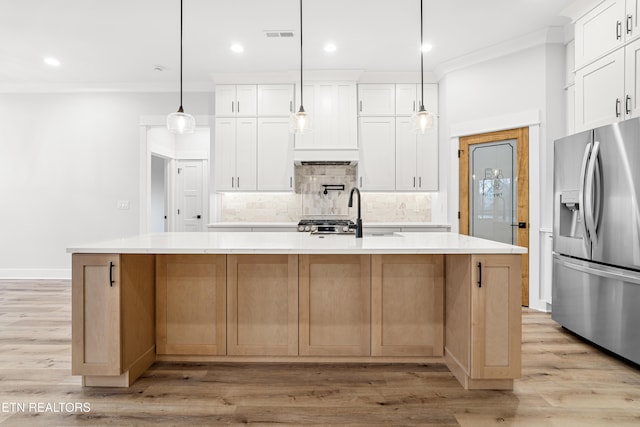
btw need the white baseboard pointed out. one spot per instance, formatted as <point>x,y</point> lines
<point>35,273</point>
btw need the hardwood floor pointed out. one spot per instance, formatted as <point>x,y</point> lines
<point>565,382</point>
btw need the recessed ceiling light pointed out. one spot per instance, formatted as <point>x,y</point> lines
<point>427,47</point>
<point>237,48</point>
<point>53,62</point>
<point>330,47</point>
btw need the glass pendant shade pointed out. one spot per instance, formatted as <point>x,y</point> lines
<point>422,121</point>
<point>300,122</point>
<point>181,122</point>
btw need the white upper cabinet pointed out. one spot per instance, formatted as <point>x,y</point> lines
<point>603,29</point>
<point>235,101</point>
<point>275,100</point>
<point>408,97</point>
<point>333,111</point>
<point>235,154</point>
<point>376,100</point>
<point>275,155</point>
<point>377,166</point>
<point>416,158</point>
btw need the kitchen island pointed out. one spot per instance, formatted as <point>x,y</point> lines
<point>296,297</point>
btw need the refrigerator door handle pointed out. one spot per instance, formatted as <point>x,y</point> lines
<point>592,196</point>
<point>581,199</point>
<point>600,271</point>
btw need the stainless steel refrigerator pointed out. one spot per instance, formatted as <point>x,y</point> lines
<point>596,236</point>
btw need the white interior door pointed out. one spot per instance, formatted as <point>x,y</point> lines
<point>190,197</point>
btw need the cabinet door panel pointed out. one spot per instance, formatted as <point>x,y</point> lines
<point>275,100</point>
<point>225,100</point>
<point>376,100</point>
<point>407,305</point>
<point>495,316</point>
<point>427,159</point>
<point>191,304</point>
<point>275,155</point>
<point>406,99</point>
<point>632,80</point>
<point>96,344</point>
<point>335,304</point>
<point>225,154</point>
<point>262,305</point>
<point>246,153</point>
<point>377,154</point>
<point>600,31</point>
<point>600,92</point>
<point>406,161</point>
<point>246,100</point>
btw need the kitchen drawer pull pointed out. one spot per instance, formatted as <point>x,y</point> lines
<point>479,274</point>
<point>617,107</point>
<point>111,281</point>
<point>627,104</point>
<point>629,23</point>
<point>618,30</point>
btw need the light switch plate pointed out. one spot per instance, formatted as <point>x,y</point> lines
<point>123,205</point>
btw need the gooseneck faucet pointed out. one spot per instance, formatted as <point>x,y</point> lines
<point>359,220</point>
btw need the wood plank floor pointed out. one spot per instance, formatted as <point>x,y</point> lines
<point>565,383</point>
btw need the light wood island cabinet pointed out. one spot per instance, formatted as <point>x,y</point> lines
<point>335,305</point>
<point>110,293</point>
<point>483,320</point>
<point>407,305</point>
<point>191,304</point>
<point>262,305</point>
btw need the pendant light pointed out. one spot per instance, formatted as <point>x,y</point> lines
<point>181,122</point>
<point>300,122</point>
<point>423,119</point>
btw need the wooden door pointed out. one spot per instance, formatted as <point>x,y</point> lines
<point>520,135</point>
<point>262,305</point>
<point>495,317</point>
<point>335,305</point>
<point>191,304</point>
<point>407,305</point>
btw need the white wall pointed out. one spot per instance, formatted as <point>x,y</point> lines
<point>65,161</point>
<point>530,80</point>
<point>158,194</point>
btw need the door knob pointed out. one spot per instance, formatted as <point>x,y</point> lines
<point>520,225</point>
<point>197,216</point>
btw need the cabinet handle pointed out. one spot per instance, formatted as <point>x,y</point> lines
<point>629,23</point>
<point>238,102</point>
<point>414,106</point>
<point>618,30</point>
<point>627,104</point>
<point>290,182</point>
<point>420,182</point>
<point>479,274</point>
<point>361,106</point>
<point>111,281</point>
<point>360,182</point>
<point>231,182</point>
<point>238,178</point>
<point>291,106</point>
<point>414,182</point>
<point>618,107</point>
<point>232,110</point>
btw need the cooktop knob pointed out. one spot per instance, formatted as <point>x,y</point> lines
<point>300,227</point>
<point>314,227</point>
<point>345,228</point>
<point>307,228</point>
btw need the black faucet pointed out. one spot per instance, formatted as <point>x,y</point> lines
<point>358,225</point>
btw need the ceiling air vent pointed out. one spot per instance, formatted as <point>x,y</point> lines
<point>278,33</point>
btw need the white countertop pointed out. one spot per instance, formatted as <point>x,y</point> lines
<point>297,243</point>
<point>295,224</point>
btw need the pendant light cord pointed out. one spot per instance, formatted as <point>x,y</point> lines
<point>181,55</point>
<point>301,85</point>
<point>421,59</point>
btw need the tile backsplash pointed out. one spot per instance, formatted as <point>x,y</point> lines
<point>309,201</point>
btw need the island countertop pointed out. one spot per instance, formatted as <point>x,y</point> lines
<point>297,243</point>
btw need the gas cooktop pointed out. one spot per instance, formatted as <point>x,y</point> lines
<point>327,226</point>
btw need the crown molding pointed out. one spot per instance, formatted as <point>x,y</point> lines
<point>579,8</point>
<point>548,35</point>
<point>103,87</point>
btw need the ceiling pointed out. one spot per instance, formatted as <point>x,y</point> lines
<point>103,43</point>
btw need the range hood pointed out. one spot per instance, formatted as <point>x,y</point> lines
<point>344,157</point>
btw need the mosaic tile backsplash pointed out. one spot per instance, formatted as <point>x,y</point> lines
<point>309,201</point>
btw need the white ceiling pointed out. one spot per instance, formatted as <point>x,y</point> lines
<point>110,42</point>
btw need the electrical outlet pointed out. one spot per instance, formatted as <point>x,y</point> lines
<point>123,205</point>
